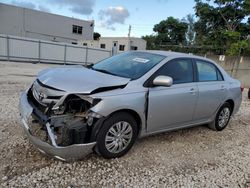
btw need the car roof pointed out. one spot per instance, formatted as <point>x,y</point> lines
<point>173,54</point>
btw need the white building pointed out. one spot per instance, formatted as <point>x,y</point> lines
<point>29,23</point>
<point>116,44</point>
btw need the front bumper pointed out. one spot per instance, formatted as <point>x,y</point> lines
<point>68,153</point>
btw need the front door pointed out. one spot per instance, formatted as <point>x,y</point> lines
<point>173,106</point>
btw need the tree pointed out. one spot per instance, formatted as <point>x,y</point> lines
<point>190,34</point>
<point>171,31</point>
<point>236,48</point>
<point>221,25</point>
<point>97,36</point>
<point>150,41</point>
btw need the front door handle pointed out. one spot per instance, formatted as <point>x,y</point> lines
<point>222,87</point>
<point>192,91</point>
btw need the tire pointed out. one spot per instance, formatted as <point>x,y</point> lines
<point>249,93</point>
<point>222,118</point>
<point>112,143</point>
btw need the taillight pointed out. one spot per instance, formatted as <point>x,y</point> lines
<point>241,88</point>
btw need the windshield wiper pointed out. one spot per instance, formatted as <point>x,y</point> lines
<point>104,71</point>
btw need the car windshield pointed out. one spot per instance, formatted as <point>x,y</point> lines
<point>131,65</point>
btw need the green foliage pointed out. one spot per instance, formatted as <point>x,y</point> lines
<point>237,48</point>
<point>150,41</point>
<point>232,35</point>
<point>97,36</point>
<point>222,27</point>
<point>170,31</point>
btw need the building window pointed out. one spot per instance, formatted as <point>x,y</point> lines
<point>103,46</point>
<point>85,44</point>
<point>77,29</point>
<point>133,47</point>
<point>121,47</point>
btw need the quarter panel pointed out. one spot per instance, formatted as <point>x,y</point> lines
<point>235,94</point>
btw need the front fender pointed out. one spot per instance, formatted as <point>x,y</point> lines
<point>133,101</point>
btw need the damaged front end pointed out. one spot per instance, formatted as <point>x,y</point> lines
<point>59,123</point>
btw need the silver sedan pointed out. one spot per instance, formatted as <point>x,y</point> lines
<point>70,111</point>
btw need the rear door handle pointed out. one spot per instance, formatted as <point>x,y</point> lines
<point>222,87</point>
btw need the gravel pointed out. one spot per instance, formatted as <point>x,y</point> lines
<point>194,157</point>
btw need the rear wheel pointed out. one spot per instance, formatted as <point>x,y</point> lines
<point>117,135</point>
<point>249,93</point>
<point>222,118</point>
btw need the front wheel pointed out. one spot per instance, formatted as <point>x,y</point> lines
<point>117,135</point>
<point>222,118</point>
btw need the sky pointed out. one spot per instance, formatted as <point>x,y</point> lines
<point>113,17</point>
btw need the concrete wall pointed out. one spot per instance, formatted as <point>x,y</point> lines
<point>25,22</point>
<point>11,20</point>
<point>237,67</point>
<point>25,49</point>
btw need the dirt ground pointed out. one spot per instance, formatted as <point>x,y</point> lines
<point>195,157</point>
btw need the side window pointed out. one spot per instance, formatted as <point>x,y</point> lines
<point>207,72</point>
<point>219,75</point>
<point>181,70</point>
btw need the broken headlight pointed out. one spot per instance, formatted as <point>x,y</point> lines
<point>74,104</point>
<point>59,110</point>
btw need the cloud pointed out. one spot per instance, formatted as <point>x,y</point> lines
<point>43,8</point>
<point>113,15</point>
<point>24,4</point>
<point>105,25</point>
<point>30,5</point>
<point>84,7</point>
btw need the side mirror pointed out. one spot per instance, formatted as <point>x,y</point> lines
<point>163,81</point>
<point>90,65</point>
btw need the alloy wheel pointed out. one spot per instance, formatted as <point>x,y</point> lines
<point>224,117</point>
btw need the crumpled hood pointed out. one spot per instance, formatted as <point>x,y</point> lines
<point>77,79</point>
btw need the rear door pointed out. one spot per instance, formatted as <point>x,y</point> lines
<point>172,106</point>
<point>212,90</point>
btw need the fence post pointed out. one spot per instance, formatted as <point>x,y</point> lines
<point>236,67</point>
<point>8,47</point>
<point>39,51</point>
<point>65,51</point>
<point>233,67</point>
<point>86,57</point>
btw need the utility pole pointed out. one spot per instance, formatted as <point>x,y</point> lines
<point>129,31</point>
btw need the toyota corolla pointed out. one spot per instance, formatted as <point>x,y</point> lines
<point>71,111</point>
